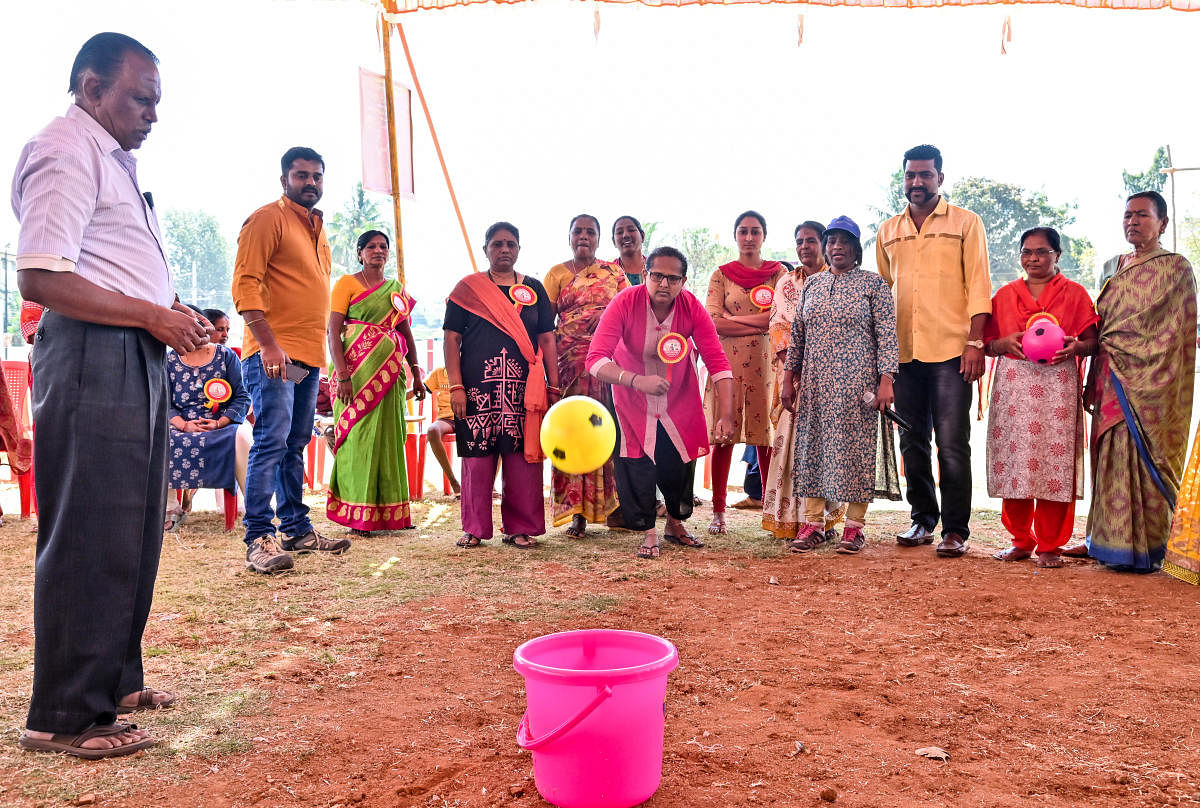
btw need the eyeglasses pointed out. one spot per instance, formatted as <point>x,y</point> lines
<point>671,280</point>
<point>1040,253</point>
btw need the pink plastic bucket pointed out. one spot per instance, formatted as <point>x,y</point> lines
<point>596,702</point>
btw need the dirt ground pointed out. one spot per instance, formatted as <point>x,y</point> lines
<point>799,675</point>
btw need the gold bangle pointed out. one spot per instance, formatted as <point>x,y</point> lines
<point>252,322</point>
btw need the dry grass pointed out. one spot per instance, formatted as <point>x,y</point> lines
<point>219,634</point>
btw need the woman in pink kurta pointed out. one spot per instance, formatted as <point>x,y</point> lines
<point>662,425</point>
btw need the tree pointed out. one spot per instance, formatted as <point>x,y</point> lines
<point>360,214</point>
<point>704,254</point>
<point>1007,211</point>
<point>200,258</point>
<point>1150,180</point>
<point>893,204</point>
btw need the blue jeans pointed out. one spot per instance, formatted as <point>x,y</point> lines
<point>283,426</point>
<point>933,397</point>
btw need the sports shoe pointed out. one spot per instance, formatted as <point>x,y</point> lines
<point>314,542</point>
<point>266,556</point>
<point>809,538</point>
<point>853,541</point>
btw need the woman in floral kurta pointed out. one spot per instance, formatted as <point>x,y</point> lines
<point>843,346</point>
<point>581,289</point>
<point>783,513</point>
<point>742,327</point>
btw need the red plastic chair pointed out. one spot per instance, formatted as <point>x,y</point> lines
<point>229,504</point>
<point>415,444</point>
<point>20,387</point>
<point>448,443</point>
<point>314,469</point>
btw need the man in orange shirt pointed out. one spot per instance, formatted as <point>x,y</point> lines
<point>281,289</point>
<point>934,256</point>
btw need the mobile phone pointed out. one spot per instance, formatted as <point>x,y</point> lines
<point>294,373</point>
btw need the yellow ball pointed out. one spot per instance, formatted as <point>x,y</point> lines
<point>578,435</point>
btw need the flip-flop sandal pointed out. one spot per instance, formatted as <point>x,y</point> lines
<point>1012,554</point>
<point>73,744</point>
<point>644,551</point>
<point>683,540</point>
<point>1079,550</point>
<point>717,529</point>
<point>574,532</point>
<point>468,541</point>
<point>1049,560</point>
<point>145,701</point>
<point>530,541</point>
<point>173,521</point>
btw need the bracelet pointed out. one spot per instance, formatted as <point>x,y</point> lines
<point>344,378</point>
<point>634,379</point>
<point>454,387</point>
<point>887,376</point>
<point>252,322</point>
<point>551,388</point>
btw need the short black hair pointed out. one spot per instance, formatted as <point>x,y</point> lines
<point>212,315</point>
<point>816,227</point>
<point>1049,233</point>
<point>103,55</point>
<point>370,234</point>
<point>1160,204</point>
<point>299,153</point>
<point>853,240</point>
<point>667,252</point>
<point>584,216</point>
<point>636,224</point>
<point>750,213</point>
<point>496,228</point>
<point>924,152</point>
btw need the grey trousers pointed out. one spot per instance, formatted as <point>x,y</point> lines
<point>100,401</point>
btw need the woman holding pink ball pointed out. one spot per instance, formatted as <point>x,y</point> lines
<point>1035,418</point>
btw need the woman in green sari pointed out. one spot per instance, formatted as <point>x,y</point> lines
<point>1140,392</point>
<point>369,336</point>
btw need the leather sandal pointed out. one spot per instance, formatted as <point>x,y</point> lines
<point>69,744</point>
<point>145,701</point>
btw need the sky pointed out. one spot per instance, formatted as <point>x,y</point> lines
<point>683,116</point>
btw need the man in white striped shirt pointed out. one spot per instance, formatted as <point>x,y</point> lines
<point>90,251</point>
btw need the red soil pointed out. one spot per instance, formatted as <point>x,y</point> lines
<point>1064,687</point>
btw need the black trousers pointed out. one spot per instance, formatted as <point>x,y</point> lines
<point>636,478</point>
<point>935,400</point>
<point>100,407</point>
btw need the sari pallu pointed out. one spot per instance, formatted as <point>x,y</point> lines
<point>368,489</point>
<point>1139,446</point>
<point>580,305</point>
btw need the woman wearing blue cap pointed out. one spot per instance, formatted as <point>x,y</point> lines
<point>843,355</point>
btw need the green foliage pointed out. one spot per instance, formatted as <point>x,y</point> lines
<point>200,258</point>
<point>360,214</point>
<point>894,203</point>
<point>704,254</point>
<point>1150,180</point>
<point>1007,211</point>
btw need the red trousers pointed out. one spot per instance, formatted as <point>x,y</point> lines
<point>1045,526</point>
<point>722,458</point>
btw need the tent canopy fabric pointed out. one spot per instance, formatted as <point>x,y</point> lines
<point>407,6</point>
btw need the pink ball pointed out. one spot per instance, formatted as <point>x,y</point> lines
<point>1042,340</point>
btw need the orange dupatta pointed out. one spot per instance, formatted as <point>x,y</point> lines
<point>477,294</point>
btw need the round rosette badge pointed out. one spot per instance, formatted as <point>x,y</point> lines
<point>522,295</point>
<point>217,392</point>
<point>763,296</point>
<point>672,349</point>
<point>400,304</point>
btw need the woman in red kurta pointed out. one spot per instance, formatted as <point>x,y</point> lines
<point>658,406</point>
<point>1035,419</point>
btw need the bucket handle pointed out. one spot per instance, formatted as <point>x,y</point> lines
<point>526,742</point>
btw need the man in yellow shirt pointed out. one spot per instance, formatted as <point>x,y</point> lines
<point>281,289</point>
<point>934,256</point>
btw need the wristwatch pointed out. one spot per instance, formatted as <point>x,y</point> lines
<point>975,343</point>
